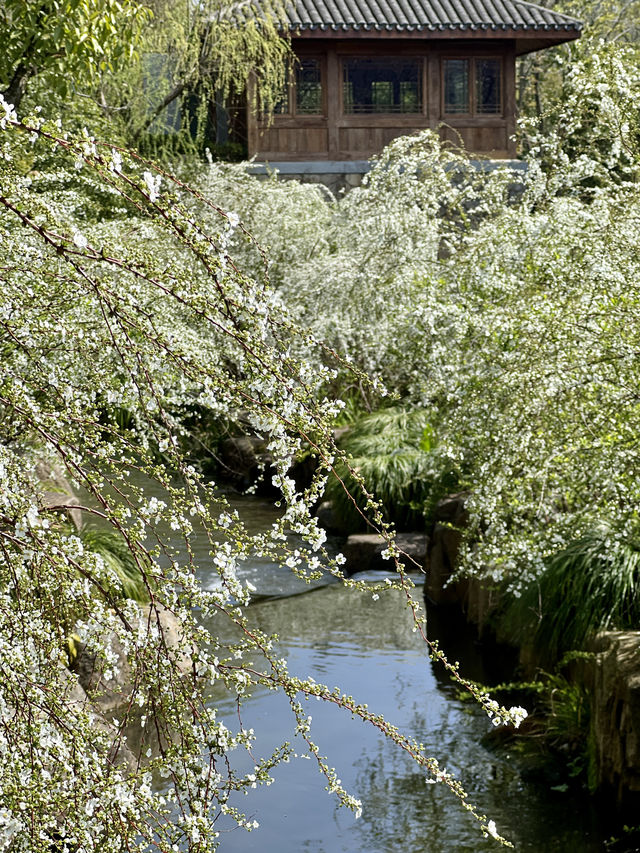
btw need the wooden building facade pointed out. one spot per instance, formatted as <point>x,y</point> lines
<point>371,70</point>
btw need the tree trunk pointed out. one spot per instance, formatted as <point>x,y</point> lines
<point>16,88</point>
<point>168,99</point>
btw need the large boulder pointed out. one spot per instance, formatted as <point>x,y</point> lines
<point>110,687</point>
<point>55,492</point>
<point>245,461</point>
<point>331,520</point>
<point>75,699</point>
<point>243,458</point>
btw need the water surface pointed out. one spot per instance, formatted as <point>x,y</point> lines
<point>368,648</point>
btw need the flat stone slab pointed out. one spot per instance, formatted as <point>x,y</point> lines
<point>311,167</point>
<point>358,167</point>
<point>363,552</point>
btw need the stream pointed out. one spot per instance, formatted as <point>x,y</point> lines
<point>368,648</point>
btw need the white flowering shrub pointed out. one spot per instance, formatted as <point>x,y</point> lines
<point>589,129</point>
<point>110,329</point>
<point>540,412</point>
<point>505,304</point>
<point>357,269</point>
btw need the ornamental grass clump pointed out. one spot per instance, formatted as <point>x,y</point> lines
<point>591,585</point>
<point>389,448</point>
<point>117,555</point>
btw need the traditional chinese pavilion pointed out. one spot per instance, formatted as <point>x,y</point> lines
<point>372,70</point>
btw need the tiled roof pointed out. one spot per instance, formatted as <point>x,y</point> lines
<point>426,15</point>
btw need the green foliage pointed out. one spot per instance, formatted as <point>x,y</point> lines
<point>592,585</point>
<point>149,71</point>
<point>609,20</point>
<point>364,271</point>
<point>514,318</point>
<point>68,44</point>
<point>120,558</point>
<point>546,79</point>
<point>388,449</point>
<point>232,152</point>
<point>192,56</point>
<point>626,841</point>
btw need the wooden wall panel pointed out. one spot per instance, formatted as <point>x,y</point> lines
<point>478,139</point>
<point>312,139</point>
<point>269,139</point>
<point>299,143</point>
<point>360,143</point>
<point>488,139</point>
<point>456,136</point>
<point>336,135</point>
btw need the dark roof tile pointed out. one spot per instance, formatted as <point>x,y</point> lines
<point>425,15</point>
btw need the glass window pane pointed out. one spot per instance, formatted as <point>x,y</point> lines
<point>281,103</point>
<point>456,86</point>
<point>381,95</point>
<point>382,85</point>
<point>309,88</point>
<point>488,94</point>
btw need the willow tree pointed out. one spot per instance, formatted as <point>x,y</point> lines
<point>136,59</point>
<point>65,44</point>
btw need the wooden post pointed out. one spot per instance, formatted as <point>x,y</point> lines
<point>334,104</point>
<point>510,100</point>
<point>252,117</point>
<point>433,89</point>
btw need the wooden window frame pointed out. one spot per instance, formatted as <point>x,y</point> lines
<point>424,83</point>
<point>473,111</point>
<point>292,90</point>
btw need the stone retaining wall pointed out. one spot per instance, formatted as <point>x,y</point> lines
<point>611,676</point>
<point>342,175</point>
<point>337,175</point>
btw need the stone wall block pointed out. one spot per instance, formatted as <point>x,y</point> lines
<point>441,561</point>
<point>476,598</point>
<point>449,519</point>
<point>363,552</point>
<point>245,460</point>
<point>614,681</point>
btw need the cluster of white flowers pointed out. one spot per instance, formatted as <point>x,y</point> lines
<point>9,114</point>
<point>500,716</point>
<point>152,183</point>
